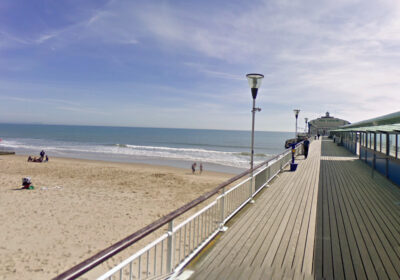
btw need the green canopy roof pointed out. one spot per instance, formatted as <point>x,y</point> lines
<point>387,123</point>
<point>377,128</point>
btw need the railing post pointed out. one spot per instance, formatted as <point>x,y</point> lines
<point>251,185</point>
<point>171,249</point>
<point>222,213</point>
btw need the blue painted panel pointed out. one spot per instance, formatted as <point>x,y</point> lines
<point>370,157</point>
<point>394,172</point>
<point>381,165</point>
<point>363,153</point>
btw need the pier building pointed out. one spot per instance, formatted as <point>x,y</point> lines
<point>325,124</point>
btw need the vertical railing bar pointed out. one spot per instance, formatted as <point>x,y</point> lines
<point>216,216</point>
<point>155,260</point>
<point>198,231</point>
<point>120,274</point>
<point>171,247</point>
<point>184,245</point>
<point>147,265</point>
<point>162,257</point>
<point>205,225</point>
<point>130,271</point>
<point>202,228</point>
<point>140,268</point>
<point>208,222</point>
<point>190,237</point>
<point>194,233</point>
<point>222,207</point>
<point>180,245</point>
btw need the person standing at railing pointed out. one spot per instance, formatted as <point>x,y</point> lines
<point>306,146</point>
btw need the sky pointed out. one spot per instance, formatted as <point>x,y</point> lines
<point>183,63</point>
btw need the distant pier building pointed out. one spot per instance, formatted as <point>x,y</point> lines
<point>325,124</point>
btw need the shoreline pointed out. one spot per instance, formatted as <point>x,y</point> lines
<point>81,206</point>
<point>161,162</point>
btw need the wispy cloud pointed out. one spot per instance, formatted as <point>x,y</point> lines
<point>85,110</point>
<point>339,55</point>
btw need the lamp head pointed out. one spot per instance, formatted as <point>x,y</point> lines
<point>306,119</point>
<point>296,112</point>
<point>254,83</point>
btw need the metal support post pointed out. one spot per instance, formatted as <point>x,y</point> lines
<point>171,249</point>
<point>387,153</point>
<point>252,147</point>
<point>222,213</point>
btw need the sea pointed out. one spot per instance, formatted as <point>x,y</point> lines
<point>218,150</point>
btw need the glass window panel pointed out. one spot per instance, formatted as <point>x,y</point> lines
<point>392,145</point>
<point>378,142</point>
<point>370,135</point>
<point>398,144</point>
<point>372,140</point>
<point>383,149</point>
<point>363,139</point>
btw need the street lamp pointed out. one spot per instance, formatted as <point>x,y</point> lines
<point>296,114</point>
<point>305,129</point>
<point>254,83</point>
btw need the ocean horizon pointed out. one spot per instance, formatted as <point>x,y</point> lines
<point>218,150</point>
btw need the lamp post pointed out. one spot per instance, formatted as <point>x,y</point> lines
<point>305,129</point>
<point>254,83</point>
<point>296,114</point>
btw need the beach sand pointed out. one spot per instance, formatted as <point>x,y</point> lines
<point>80,207</point>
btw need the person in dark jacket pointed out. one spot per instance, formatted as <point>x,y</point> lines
<point>306,147</point>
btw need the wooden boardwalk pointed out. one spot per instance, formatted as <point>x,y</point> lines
<point>328,220</point>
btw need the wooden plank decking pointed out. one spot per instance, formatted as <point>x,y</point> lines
<point>358,220</point>
<point>330,219</point>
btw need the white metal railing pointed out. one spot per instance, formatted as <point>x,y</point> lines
<point>168,254</point>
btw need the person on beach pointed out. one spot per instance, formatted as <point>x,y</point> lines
<point>29,159</point>
<point>306,147</point>
<point>42,153</point>
<point>47,159</point>
<point>193,168</point>
<point>27,184</point>
<point>201,167</point>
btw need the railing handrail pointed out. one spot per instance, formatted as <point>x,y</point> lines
<point>117,247</point>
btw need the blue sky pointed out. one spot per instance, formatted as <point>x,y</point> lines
<point>183,63</point>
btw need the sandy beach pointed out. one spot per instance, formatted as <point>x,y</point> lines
<point>80,207</point>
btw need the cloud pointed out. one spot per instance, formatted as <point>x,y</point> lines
<point>339,55</point>
<point>85,110</point>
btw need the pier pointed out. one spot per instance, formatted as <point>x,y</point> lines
<point>331,219</point>
<point>335,217</point>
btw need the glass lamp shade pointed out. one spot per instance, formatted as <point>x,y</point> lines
<point>254,80</point>
<point>296,112</point>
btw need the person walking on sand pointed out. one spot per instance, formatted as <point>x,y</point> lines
<point>306,147</point>
<point>201,167</point>
<point>193,168</point>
